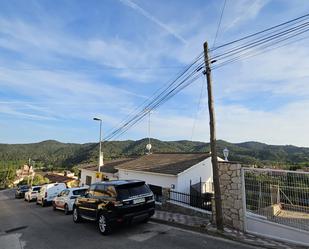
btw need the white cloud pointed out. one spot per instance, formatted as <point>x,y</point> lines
<point>239,12</point>
<point>153,19</point>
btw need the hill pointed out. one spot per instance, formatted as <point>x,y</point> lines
<point>54,154</point>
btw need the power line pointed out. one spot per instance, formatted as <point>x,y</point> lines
<point>260,32</point>
<point>256,42</point>
<point>219,24</point>
<point>198,107</point>
<point>264,40</point>
<point>264,48</point>
<point>160,97</point>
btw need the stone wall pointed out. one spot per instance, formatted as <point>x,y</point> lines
<point>231,192</point>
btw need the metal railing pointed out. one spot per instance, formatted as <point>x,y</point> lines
<point>280,196</point>
<point>202,201</point>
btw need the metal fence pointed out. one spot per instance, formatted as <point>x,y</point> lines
<point>279,196</point>
<point>202,200</point>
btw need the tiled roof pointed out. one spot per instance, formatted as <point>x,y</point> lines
<point>58,178</point>
<point>164,163</point>
<point>109,166</point>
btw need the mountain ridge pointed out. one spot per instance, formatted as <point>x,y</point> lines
<point>53,153</point>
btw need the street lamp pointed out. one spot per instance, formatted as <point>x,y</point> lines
<point>148,146</point>
<point>101,163</point>
<point>226,154</point>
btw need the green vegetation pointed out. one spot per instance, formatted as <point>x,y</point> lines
<point>55,155</point>
<point>37,180</point>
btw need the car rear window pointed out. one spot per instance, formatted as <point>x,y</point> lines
<point>79,192</point>
<point>131,191</point>
<point>36,188</point>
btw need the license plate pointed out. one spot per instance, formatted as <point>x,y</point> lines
<point>140,200</point>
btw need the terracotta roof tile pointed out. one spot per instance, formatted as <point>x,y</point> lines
<point>164,163</point>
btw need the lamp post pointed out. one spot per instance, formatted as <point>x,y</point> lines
<point>101,163</point>
<point>148,146</point>
<point>226,154</point>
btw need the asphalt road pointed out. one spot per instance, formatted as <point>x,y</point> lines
<point>34,227</point>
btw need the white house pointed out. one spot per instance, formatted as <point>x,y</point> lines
<point>177,171</point>
<point>180,172</point>
<point>89,172</point>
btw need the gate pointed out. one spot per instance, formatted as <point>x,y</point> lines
<point>277,204</point>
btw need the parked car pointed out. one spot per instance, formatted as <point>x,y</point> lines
<point>115,202</point>
<point>48,192</point>
<point>32,193</point>
<point>66,198</point>
<point>21,190</point>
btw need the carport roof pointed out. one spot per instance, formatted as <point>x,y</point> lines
<point>164,163</point>
<point>108,167</point>
<point>58,178</point>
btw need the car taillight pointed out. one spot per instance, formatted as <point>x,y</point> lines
<point>45,194</point>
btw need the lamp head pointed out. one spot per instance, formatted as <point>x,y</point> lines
<point>225,153</point>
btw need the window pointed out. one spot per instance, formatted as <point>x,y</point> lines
<point>105,191</point>
<point>88,180</point>
<point>79,192</point>
<point>36,188</point>
<point>125,193</point>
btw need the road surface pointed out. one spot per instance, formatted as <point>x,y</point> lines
<point>28,226</point>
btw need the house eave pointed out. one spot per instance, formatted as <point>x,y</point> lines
<point>147,172</point>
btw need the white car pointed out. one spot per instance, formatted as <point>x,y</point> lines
<point>32,193</point>
<point>66,198</point>
<point>48,192</point>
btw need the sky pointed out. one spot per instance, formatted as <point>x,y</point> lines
<point>64,62</point>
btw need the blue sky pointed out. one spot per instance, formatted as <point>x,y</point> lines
<point>64,62</point>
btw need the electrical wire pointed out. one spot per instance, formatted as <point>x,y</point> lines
<point>263,40</point>
<point>160,97</point>
<point>260,32</point>
<point>219,23</point>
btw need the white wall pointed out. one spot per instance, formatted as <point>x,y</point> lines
<point>201,170</point>
<point>85,172</point>
<point>150,178</point>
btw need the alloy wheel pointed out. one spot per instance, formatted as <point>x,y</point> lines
<point>102,223</point>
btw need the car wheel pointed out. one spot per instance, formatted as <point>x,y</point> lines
<point>145,220</point>
<point>76,216</point>
<point>104,226</point>
<point>66,209</point>
<point>54,206</point>
<point>43,203</point>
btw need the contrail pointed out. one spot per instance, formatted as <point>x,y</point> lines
<point>152,18</point>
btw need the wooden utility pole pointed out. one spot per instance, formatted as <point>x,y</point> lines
<point>212,124</point>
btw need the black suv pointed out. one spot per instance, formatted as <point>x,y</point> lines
<point>21,190</point>
<point>115,202</point>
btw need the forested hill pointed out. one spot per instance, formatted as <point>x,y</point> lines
<point>52,153</point>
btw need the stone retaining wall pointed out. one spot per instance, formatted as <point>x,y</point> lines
<point>231,193</point>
